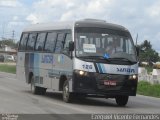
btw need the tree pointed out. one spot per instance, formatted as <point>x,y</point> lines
<point>8,42</point>
<point>148,54</point>
<point>17,44</point>
<point>146,45</point>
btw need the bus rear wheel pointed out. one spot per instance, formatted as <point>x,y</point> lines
<point>37,90</point>
<point>67,96</point>
<point>122,100</point>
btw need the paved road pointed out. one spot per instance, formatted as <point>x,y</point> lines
<point>15,98</point>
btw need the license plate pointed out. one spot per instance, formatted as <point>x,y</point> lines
<point>111,83</point>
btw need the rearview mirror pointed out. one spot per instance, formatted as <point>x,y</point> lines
<point>71,46</point>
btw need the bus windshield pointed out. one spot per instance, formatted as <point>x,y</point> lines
<point>102,41</point>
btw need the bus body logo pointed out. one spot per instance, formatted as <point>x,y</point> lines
<point>47,59</point>
<point>128,70</point>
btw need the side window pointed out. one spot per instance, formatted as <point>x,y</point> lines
<point>130,49</point>
<point>50,42</point>
<point>31,41</point>
<point>68,38</point>
<point>60,43</point>
<point>40,41</point>
<point>23,42</point>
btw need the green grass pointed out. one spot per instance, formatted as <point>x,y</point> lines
<point>145,88</point>
<point>8,68</point>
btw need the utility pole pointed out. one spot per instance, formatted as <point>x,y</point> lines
<point>13,33</point>
<point>3,29</point>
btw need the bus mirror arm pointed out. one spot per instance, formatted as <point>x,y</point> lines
<point>71,46</point>
<point>71,54</point>
<point>137,50</point>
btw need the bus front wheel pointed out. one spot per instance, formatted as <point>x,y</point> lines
<point>122,100</point>
<point>67,96</point>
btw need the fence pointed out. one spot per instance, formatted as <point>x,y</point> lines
<point>153,78</point>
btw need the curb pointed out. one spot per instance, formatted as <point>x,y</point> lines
<point>150,97</point>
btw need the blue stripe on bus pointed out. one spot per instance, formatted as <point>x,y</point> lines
<point>103,68</point>
<point>99,68</point>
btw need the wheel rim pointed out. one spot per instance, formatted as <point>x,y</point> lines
<point>32,86</point>
<point>66,92</point>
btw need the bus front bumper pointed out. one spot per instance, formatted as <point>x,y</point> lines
<point>104,84</point>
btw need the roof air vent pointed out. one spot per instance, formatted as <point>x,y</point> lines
<point>94,20</point>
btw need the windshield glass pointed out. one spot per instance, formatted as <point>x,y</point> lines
<point>102,41</point>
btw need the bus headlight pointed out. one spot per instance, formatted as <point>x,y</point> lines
<point>81,72</point>
<point>133,77</point>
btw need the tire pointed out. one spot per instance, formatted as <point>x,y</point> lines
<point>121,100</point>
<point>42,91</point>
<point>37,90</point>
<point>67,96</point>
<point>34,89</point>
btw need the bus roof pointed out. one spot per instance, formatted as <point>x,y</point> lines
<point>71,24</point>
<point>49,26</point>
<point>99,24</point>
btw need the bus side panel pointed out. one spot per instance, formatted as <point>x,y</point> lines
<point>25,65</point>
<point>63,65</point>
<point>40,64</point>
<point>36,63</point>
<point>29,64</point>
<point>20,70</point>
<point>45,66</point>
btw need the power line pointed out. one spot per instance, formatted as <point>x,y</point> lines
<point>136,39</point>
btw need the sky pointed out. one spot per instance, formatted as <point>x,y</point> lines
<point>140,17</point>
